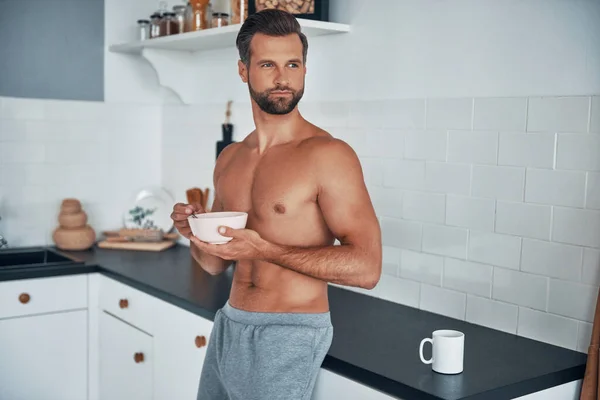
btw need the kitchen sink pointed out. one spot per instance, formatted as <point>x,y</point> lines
<point>33,257</point>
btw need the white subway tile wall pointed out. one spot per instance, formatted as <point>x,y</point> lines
<point>492,203</point>
<point>489,208</point>
<point>96,152</point>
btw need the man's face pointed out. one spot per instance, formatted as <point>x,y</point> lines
<point>275,74</point>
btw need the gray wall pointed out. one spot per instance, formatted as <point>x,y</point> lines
<point>52,49</point>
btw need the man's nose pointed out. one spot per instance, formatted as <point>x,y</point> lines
<point>281,78</point>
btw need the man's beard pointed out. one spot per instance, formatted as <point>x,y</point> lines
<point>277,106</point>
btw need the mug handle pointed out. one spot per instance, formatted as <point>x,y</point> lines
<point>421,351</point>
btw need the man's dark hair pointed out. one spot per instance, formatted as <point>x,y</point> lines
<point>272,23</point>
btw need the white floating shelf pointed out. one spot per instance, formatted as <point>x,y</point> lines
<point>215,38</point>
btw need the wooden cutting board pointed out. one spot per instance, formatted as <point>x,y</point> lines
<point>140,246</point>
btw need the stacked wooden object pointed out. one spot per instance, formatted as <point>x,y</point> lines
<point>73,231</point>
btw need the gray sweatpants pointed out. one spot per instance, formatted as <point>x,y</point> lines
<point>264,356</point>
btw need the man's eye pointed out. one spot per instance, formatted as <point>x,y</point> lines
<point>267,64</point>
<point>294,65</point>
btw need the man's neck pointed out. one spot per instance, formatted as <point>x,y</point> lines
<point>272,130</point>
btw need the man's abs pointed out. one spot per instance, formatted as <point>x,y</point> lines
<point>264,287</point>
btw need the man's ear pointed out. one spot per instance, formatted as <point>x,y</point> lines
<point>243,71</point>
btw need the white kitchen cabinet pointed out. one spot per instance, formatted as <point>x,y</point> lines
<point>125,360</point>
<point>127,303</point>
<point>42,295</point>
<point>180,340</point>
<point>333,386</point>
<point>44,357</point>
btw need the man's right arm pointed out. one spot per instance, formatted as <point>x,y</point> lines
<point>212,264</point>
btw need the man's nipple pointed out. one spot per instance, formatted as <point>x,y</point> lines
<point>279,208</point>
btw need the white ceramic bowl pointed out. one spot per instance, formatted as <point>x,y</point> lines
<point>206,226</point>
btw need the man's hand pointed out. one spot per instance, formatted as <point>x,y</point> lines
<point>245,245</point>
<point>180,215</point>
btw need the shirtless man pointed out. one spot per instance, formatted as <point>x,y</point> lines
<point>302,189</point>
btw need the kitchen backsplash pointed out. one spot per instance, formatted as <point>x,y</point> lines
<point>51,149</point>
<point>489,207</point>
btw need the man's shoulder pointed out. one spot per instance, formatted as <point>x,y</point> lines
<point>226,155</point>
<point>228,152</point>
<point>325,146</point>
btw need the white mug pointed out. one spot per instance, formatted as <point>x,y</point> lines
<point>447,353</point>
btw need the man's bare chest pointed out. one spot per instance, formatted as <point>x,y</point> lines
<point>272,189</point>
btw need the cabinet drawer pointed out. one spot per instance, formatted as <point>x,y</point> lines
<point>126,361</point>
<point>127,303</point>
<point>42,295</point>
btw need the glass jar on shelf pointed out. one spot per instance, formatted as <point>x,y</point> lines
<point>239,11</point>
<point>220,19</point>
<point>155,30</point>
<point>200,15</point>
<point>143,29</point>
<point>180,17</point>
<point>168,24</point>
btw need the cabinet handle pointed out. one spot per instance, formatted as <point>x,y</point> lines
<point>123,303</point>
<point>200,341</point>
<point>24,298</point>
<point>138,357</point>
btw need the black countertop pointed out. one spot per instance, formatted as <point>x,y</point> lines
<point>375,342</point>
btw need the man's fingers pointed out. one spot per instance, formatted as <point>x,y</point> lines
<point>179,216</point>
<point>227,231</point>
<point>181,211</point>
<point>180,207</point>
<point>194,208</point>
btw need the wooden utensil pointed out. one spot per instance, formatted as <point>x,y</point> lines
<point>198,196</point>
<point>194,196</point>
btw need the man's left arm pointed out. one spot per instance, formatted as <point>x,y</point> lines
<point>348,212</point>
